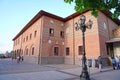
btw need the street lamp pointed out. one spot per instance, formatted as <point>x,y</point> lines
<point>80,25</point>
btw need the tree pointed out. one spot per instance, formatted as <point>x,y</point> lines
<point>96,5</point>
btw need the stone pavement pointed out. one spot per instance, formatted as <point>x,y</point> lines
<point>45,75</point>
<point>10,70</point>
<point>107,75</point>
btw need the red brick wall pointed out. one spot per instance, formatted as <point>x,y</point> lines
<point>29,43</point>
<point>105,26</point>
<point>91,36</point>
<point>56,40</point>
<point>95,37</point>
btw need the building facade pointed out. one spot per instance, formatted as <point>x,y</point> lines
<point>50,39</point>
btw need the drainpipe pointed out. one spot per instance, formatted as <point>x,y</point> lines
<point>13,50</point>
<point>21,44</point>
<point>73,42</point>
<point>40,43</point>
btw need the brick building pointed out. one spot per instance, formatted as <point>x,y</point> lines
<point>48,38</point>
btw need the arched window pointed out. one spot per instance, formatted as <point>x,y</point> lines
<point>35,33</point>
<point>26,51</point>
<point>56,51</point>
<point>32,50</point>
<point>21,52</point>
<point>26,38</point>
<point>30,36</point>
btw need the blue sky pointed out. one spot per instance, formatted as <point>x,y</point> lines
<point>15,14</point>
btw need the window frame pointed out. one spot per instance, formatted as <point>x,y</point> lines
<point>51,32</point>
<point>26,38</point>
<point>27,51</point>
<point>67,51</point>
<point>80,50</point>
<point>33,50</point>
<point>56,50</point>
<point>35,33</point>
<point>62,34</point>
<point>30,36</point>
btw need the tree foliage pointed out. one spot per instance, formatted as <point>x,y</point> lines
<point>95,5</point>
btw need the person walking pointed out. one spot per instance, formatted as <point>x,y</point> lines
<point>18,59</point>
<point>22,58</point>
<point>117,62</point>
<point>113,63</point>
<point>100,63</point>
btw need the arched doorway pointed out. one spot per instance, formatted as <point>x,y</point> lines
<point>32,50</point>
<point>26,51</point>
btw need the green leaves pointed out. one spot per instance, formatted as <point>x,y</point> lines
<point>95,5</point>
<point>95,13</point>
<point>68,1</point>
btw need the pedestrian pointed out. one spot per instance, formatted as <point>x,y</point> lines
<point>18,59</point>
<point>117,62</point>
<point>113,63</point>
<point>100,63</point>
<point>12,58</point>
<point>22,58</point>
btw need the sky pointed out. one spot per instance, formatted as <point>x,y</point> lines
<point>15,14</point>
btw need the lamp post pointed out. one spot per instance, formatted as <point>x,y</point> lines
<point>80,25</point>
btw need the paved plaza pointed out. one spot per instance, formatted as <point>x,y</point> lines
<point>11,70</point>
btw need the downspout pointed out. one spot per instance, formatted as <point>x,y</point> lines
<point>13,54</point>
<point>40,43</point>
<point>21,45</point>
<point>73,42</point>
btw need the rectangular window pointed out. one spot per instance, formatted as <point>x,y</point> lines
<point>51,32</point>
<point>56,51</point>
<point>62,34</point>
<point>67,51</point>
<point>80,50</point>
<point>35,33</point>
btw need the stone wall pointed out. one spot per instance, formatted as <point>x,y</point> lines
<point>31,59</point>
<point>52,60</point>
<point>68,60</point>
